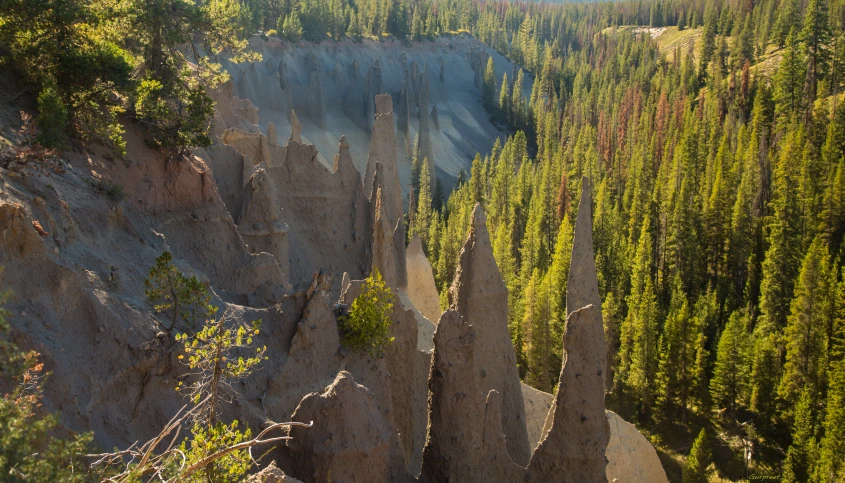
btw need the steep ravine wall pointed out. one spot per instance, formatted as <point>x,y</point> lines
<point>331,86</point>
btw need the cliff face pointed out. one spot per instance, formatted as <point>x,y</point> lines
<point>332,86</point>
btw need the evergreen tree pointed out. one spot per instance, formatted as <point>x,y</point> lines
<point>489,91</point>
<point>729,387</point>
<point>781,265</point>
<point>477,186</point>
<point>696,468</point>
<point>423,216</point>
<point>831,466</point>
<point>816,36</point>
<point>639,352</point>
<point>679,349</point>
<point>807,328</point>
<point>789,18</point>
<point>801,453</point>
<point>505,96</point>
<point>789,81</point>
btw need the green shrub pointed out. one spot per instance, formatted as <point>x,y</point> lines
<point>180,297</point>
<point>52,118</point>
<point>206,440</point>
<point>177,119</point>
<point>367,326</point>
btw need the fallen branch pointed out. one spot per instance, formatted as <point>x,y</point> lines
<point>244,445</point>
<point>150,462</point>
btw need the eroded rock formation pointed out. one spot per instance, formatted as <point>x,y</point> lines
<point>316,96</point>
<point>260,223</point>
<point>453,449</point>
<point>383,152</point>
<point>574,448</point>
<point>295,129</point>
<point>353,104</point>
<point>350,440</point>
<point>246,214</point>
<point>479,294</point>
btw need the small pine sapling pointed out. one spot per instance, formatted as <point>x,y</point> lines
<point>171,292</point>
<point>367,326</point>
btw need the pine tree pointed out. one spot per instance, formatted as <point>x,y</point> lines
<point>781,265</point>
<point>730,387</point>
<point>801,453</point>
<point>292,27</point>
<point>536,321</point>
<point>505,96</point>
<point>489,91</point>
<point>423,216</point>
<point>518,106</point>
<point>477,186</point>
<point>678,354</point>
<point>831,466</point>
<point>789,18</point>
<point>696,468</point>
<point>557,279</point>
<point>789,82</point>
<point>832,447</point>
<point>764,374</point>
<point>816,36</point>
<point>807,328</point>
<point>639,352</point>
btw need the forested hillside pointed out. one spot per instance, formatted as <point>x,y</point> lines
<point>719,188</point>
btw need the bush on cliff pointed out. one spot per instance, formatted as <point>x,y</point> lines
<point>367,326</point>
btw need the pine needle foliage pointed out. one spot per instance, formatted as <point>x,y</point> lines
<point>367,326</point>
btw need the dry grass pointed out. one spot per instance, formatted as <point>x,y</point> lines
<point>672,38</point>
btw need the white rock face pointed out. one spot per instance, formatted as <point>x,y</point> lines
<point>630,457</point>
<point>421,287</point>
<point>537,406</point>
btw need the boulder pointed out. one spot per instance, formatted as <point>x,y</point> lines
<point>271,474</point>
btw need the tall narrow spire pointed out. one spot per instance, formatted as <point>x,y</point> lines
<point>582,287</point>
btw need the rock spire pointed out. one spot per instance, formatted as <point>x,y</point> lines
<point>479,294</point>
